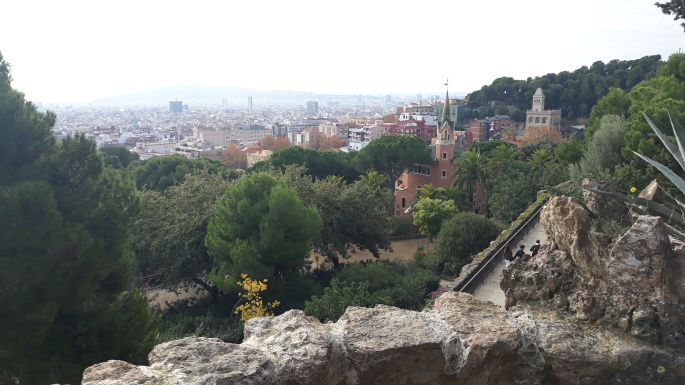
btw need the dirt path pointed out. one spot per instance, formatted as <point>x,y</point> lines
<point>402,250</point>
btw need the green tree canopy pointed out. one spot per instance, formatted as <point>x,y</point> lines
<point>573,92</point>
<point>675,8</point>
<point>462,236</point>
<point>118,157</point>
<point>318,164</point>
<point>568,151</point>
<point>260,227</point>
<point>665,91</point>
<point>429,214</point>
<point>168,235</point>
<point>392,154</point>
<point>341,205</point>
<point>469,169</point>
<point>65,271</point>
<point>603,152</point>
<point>162,172</point>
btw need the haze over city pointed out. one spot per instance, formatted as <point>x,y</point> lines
<point>78,51</point>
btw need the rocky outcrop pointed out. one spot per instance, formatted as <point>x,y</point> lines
<point>460,341</point>
<point>600,205</point>
<point>632,282</point>
<point>569,228</point>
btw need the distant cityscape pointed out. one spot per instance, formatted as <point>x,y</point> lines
<point>196,130</point>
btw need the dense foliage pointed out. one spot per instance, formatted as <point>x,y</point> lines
<point>508,178</point>
<point>318,164</point>
<point>118,157</point>
<point>573,92</point>
<point>405,285</point>
<point>260,227</point>
<point>168,236</point>
<point>339,204</point>
<point>460,237</point>
<point>163,172</point>
<point>65,272</point>
<point>429,213</point>
<point>665,91</point>
<point>391,155</point>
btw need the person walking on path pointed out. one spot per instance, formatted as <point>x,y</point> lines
<point>535,248</point>
<point>520,253</point>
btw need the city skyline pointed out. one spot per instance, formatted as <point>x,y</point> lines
<point>95,50</point>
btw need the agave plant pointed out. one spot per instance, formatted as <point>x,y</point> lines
<point>674,215</point>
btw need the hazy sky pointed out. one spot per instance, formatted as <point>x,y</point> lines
<point>64,50</point>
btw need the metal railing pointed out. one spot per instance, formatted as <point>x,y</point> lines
<point>489,262</point>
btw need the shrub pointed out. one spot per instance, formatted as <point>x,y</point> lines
<point>430,213</point>
<point>460,237</point>
<point>336,298</point>
<point>405,285</point>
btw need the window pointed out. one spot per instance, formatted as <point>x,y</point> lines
<point>399,182</point>
<point>530,119</point>
<point>404,202</point>
<point>421,169</point>
<point>444,174</point>
<point>537,119</point>
<point>444,155</point>
<point>544,120</point>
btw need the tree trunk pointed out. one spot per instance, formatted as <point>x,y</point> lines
<point>213,291</point>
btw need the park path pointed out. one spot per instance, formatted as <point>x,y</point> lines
<point>402,250</point>
<point>490,290</point>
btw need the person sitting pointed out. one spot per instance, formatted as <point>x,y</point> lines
<point>535,248</point>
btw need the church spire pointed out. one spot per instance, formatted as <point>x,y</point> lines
<point>446,107</point>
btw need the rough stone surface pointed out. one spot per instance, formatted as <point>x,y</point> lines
<point>654,192</point>
<point>633,282</point>
<point>569,228</point>
<point>601,205</point>
<point>460,341</point>
<point>591,308</point>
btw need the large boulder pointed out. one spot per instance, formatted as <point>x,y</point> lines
<point>633,281</point>
<point>639,278</point>
<point>577,352</point>
<point>568,225</point>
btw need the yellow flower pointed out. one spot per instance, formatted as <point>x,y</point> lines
<point>633,189</point>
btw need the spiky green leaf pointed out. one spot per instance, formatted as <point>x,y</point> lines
<point>668,173</point>
<point>677,151</point>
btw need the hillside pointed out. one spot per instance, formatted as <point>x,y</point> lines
<point>573,92</point>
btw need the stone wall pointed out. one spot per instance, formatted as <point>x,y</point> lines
<point>460,341</point>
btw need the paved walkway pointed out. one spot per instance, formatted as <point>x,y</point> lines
<point>490,290</point>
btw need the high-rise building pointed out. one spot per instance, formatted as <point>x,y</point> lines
<point>388,99</point>
<point>175,106</point>
<point>249,103</point>
<point>312,107</point>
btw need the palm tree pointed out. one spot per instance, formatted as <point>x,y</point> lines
<point>468,174</point>
<point>501,157</point>
<point>540,157</point>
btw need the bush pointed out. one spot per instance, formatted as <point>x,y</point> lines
<point>430,213</point>
<point>460,237</point>
<point>371,283</point>
<point>336,298</point>
<point>205,319</point>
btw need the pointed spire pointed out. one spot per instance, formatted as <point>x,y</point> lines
<point>446,107</point>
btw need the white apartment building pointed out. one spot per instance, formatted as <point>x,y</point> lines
<point>359,138</point>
